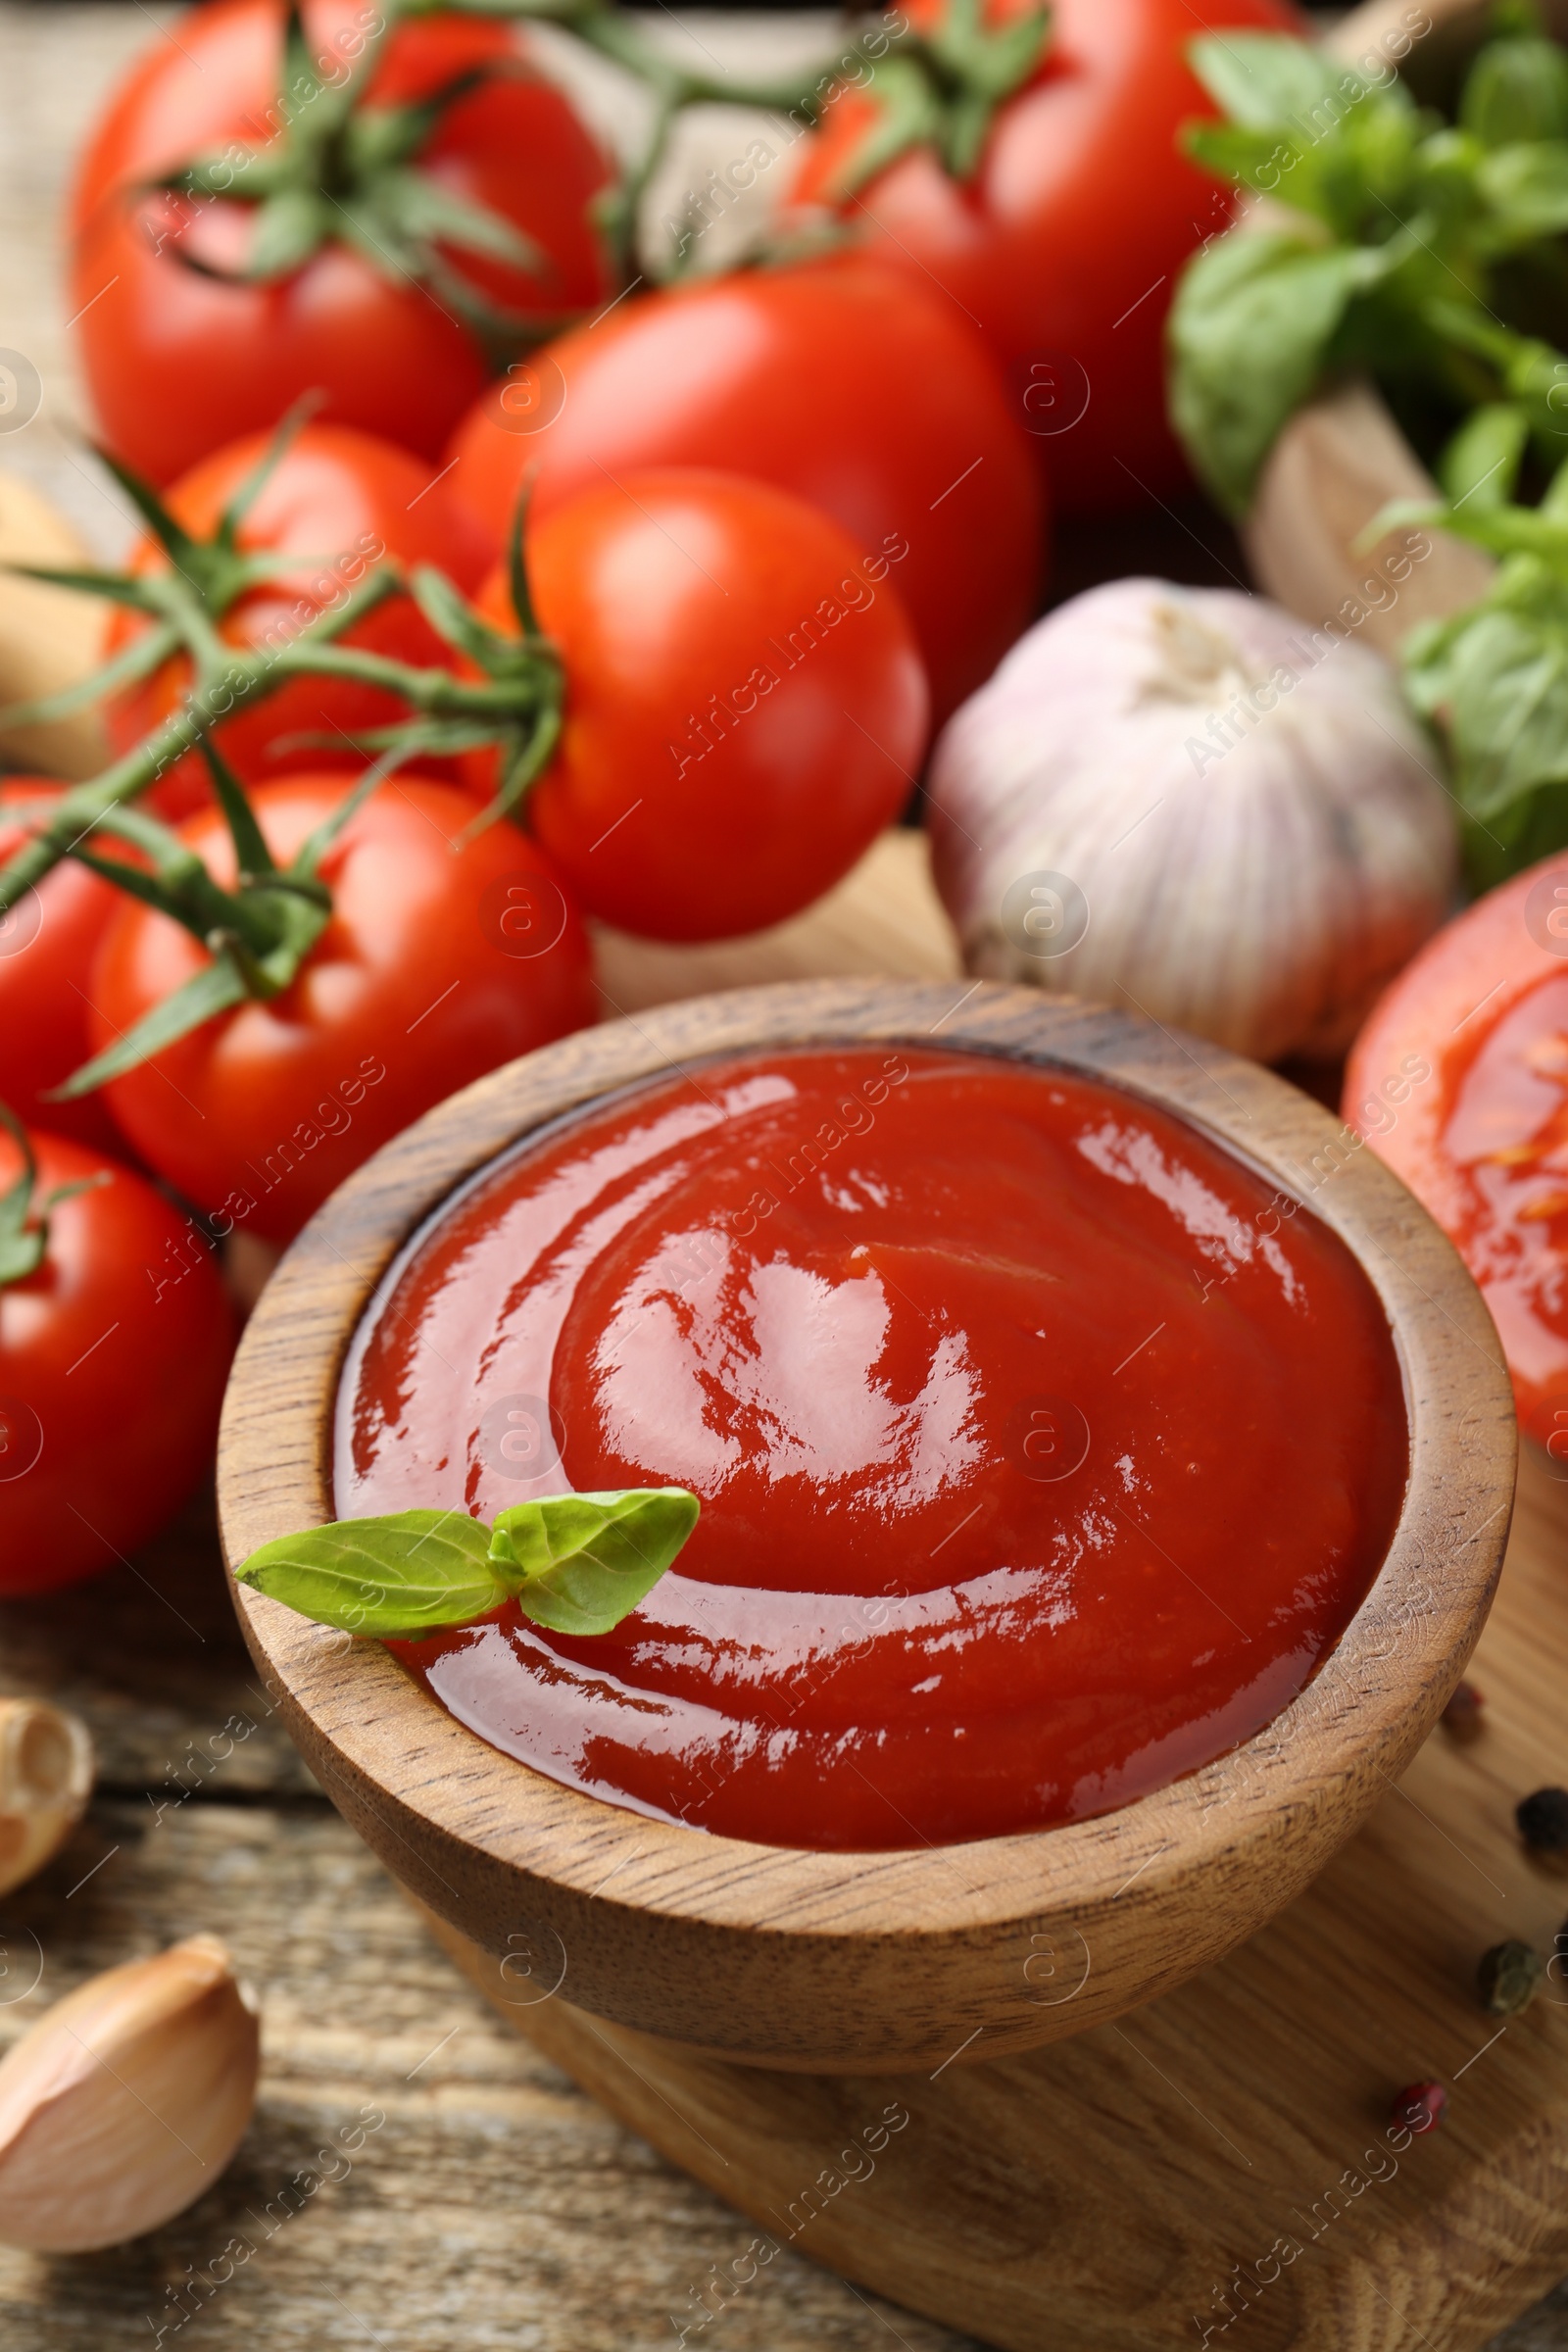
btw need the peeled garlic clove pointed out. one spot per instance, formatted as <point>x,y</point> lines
<point>45,1781</point>
<point>124,2105</point>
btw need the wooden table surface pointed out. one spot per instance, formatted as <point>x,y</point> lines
<point>492,2204</point>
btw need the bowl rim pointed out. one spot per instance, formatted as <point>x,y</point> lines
<point>430,1781</point>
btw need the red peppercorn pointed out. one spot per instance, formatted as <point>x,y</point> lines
<point>1463,1716</point>
<point>1420,2106</point>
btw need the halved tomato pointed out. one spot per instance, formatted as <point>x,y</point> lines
<point>1460,1081</point>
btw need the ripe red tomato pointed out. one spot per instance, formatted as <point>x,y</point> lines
<point>1460,1081</point>
<point>179,363</point>
<point>113,1358</point>
<point>745,704</point>
<point>1066,243</point>
<point>47,944</point>
<point>444,958</point>
<point>832,379</point>
<point>341,502</point>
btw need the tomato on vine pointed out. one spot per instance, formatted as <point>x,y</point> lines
<point>744,704</point>
<point>262,537</point>
<point>715,706</point>
<point>833,380</point>
<point>323,967</point>
<point>115,1342</point>
<point>340,199</point>
<point>1024,161</point>
<point>47,944</point>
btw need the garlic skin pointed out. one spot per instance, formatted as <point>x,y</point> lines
<point>46,1772</point>
<point>123,2104</point>
<point>1245,803</point>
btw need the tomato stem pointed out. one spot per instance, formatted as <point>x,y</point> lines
<point>513,702</point>
<point>339,170</point>
<point>24,1220</point>
<point>939,88</point>
<point>228,682</point>
<point>258,933</point>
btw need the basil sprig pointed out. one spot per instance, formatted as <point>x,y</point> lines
<point>1493,679</point>
<point>1396,243</point>
<point>576,1563</point>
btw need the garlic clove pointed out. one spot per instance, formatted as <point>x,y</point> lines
<point>123,2104</point>
<point>46,1772</point>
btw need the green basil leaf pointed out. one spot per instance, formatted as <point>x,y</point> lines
<point>1253,158</point>
<point>406,1575</point>
<point>1526,189</point>
<point>1507,717</point>
<point>1521,835</point>
<point>580,1563</point>
<point>1496,680</point>
<point>1480,466</point>
<point>1517,89</point>
<point>1507,530</point>
<point>1251,329</point>
<point>1266,78</point>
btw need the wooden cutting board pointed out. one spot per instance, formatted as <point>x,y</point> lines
<point>1219,2160</point>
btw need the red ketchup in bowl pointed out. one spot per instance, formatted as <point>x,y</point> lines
<point>1043,1450</point>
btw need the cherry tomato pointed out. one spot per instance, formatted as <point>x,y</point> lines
<point>1065,245</point>
<point>341,502</point>
<point>1460,1081</point>
<point>833,380</point>
<point>745,703</point>
<point>47,944</point>
<point>179,363</point>
<point>445,956</point>
<point>113,1358</point>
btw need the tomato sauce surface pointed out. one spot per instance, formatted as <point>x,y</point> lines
<point>1044,1450</point>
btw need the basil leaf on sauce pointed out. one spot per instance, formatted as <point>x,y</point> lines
<point>580,1563</point>
<point>405,1575</point>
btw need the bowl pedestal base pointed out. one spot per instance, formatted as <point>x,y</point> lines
<point>1217,2167</point>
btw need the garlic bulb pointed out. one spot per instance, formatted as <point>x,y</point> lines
<point>45,1781</point>
<point>1186,802</point>
<point>125,2103</point>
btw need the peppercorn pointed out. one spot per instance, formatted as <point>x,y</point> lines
<point>1510,1978</point>
<point>1463,1716</point>
<point>1420,2106</point>
<point>1543,1821</point>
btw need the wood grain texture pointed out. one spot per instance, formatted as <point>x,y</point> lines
<point>799,1959</point>
<point>498,2207</point>
<point>1123,2191</point>
<point>495,2207</point>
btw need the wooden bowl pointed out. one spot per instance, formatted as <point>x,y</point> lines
<point>845,1961</point>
